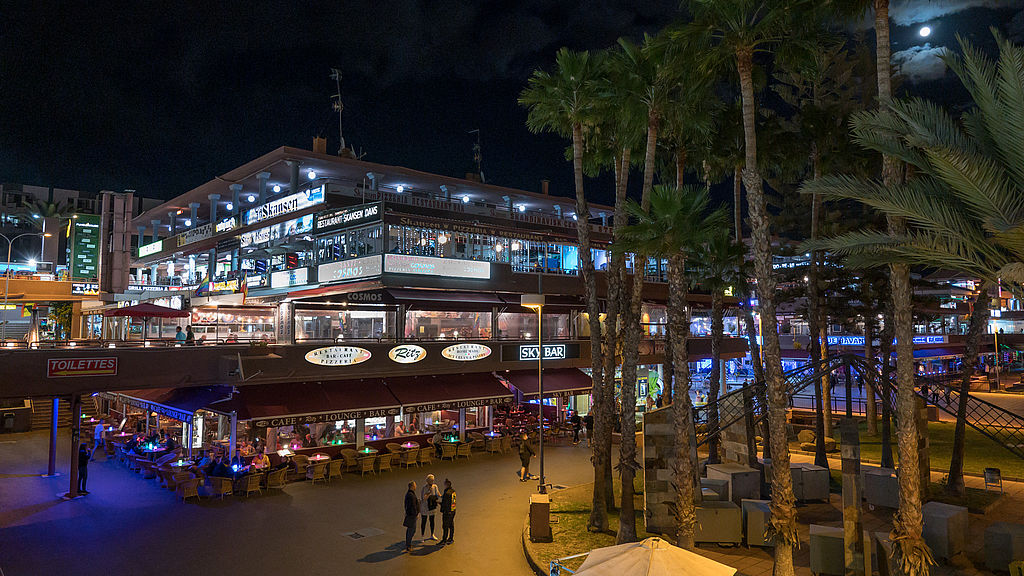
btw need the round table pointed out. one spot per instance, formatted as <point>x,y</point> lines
<point>367,450</point>
<point>410,445</point>
<point>319,458</point>
<point>181,463</point>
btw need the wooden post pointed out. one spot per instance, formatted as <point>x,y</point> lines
<point>51,468</point>
<point>234,436</point>
<point>853,531</point>
<point>76,434</point>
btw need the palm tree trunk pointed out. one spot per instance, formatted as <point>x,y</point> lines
<point>814,304</point>
<point>598,516</point>
<point>717,334</point>
<point>826,379</point>
<point>680,166</point>
<point>737,203</point>
<point>979,317</point>
<point>783,509</point>
<point>886,346</point>
<point>870,404</point>
<point>682,410</point>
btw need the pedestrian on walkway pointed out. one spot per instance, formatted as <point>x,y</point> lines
<point>97,439</point>
<point>412,508</point>
<point>448,513</point>
<point>430,497</point>
<point>577,423</point>
<point>83,467</point>
<point>588,423</point>
<point>525,454</point>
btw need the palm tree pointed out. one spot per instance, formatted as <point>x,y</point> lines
<point>563,102</point>
<point>963,209</point>
<point>733,32</point>
<point>718,266</point>
<point>675,225</point>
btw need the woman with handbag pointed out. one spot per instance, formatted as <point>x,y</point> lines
<point>430,498</point>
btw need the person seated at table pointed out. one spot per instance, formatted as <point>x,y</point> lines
<point>400,428</point>
<point>222,470</point>
<point>204,462</point>
<point>283,464</point>
<point>163,436</point>
<point>308,441</point>
<point>132,443</point>
<point>211,465</point>
<point>260,461</point>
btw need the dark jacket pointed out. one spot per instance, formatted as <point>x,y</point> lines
<point>448,501</point>
<point>525,450</point>
<point>412,507</point>
<point>83,459</point>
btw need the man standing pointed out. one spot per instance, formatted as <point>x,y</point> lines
<point>179,336</point>
<point>525,454</point>
<point>97,440</point>
<point>447,513</point>
<point>83,467</point>
<point>588,422</point>
<point>577,422</point>
<point>412,509</point>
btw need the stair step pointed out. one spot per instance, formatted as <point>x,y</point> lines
<point>41,412</point>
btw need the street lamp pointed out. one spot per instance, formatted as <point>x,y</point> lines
<point>7,274</point>
<point>536,302</point>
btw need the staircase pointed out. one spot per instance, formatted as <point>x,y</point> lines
<point>42,411</point>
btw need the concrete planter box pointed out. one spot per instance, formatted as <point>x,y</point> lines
<point>719,489</point>
<point>810,482</point>
<point>744,482</point>
<point>945,529</point>
<point>881,488</point>
<point>1004,543</point>
<point>719,522</point>
<point>756,516</point>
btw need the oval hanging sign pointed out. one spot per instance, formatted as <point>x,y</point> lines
<point>338,356</point>
<point>407,353</point>
<point>466,352</point>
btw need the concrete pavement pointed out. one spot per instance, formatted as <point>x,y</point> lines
<point>128,525</point>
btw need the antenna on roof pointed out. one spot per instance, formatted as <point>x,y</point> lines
<point>336,101</point>
<point>478,155</point>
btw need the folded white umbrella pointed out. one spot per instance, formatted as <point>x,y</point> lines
<point>652,557</point>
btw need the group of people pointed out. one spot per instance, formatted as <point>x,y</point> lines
<point>425,505</point>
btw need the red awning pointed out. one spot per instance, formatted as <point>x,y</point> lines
<point>557,381</point>
<point>291,403</point>
<point>146,310</point>
<point>177,403</point>
<point>448,392</point>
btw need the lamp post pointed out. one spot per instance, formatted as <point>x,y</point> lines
<point>536,302</point>
<point>7,274</point>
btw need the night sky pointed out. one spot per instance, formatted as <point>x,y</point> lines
<point>160,98</point>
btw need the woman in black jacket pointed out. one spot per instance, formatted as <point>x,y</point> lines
<point>525,453</point>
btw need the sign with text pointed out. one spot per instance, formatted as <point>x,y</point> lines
<point>289,278</point>
<point>168,411</point>
<point>345,217</point>
<point>431,266</point>
<point>353,269</point>
<point>284,229</point>
<point>407,353</point>
<point>327,417</point>
<point>551,352</point>
<point>467,352</point>
<point>859,340</point>
<point>80,367</point>
<point>285,205</point>
<point>195,234</point>
<point>85,288</point>
<point>151,248</point>
<point>456,404</point>
<point>338,356</point>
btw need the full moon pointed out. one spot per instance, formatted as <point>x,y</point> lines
<point>924,31</point>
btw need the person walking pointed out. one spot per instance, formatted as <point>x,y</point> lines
<point>577,423</point>
<point>179,336</point>
<point>97,439</point>
<point>588,423</point>
<point>412,507</point>
<point>525,454</point>
<point>430,498</point>
<point>83,467</point>
<point>190,337</point>
<point>448,513</point>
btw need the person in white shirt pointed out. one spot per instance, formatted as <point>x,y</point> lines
<point>430,499</point>
<point>97,437</point>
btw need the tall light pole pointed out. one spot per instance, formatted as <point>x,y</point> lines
<point>536,302</point>
<point>7,275</point>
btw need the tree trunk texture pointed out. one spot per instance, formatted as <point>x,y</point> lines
<point>737,203</point>
<point>783,509</point>
<point>886,373</point>
<point>717,333</point>
<point>979,317</point>
<point>826,379</point>
<point>813,314</point>
<point>871,401</point>
<point>680,166</point>
<point>615,276</point>
<point>682,410</point>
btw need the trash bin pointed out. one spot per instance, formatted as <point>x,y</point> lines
<point>7,422</point>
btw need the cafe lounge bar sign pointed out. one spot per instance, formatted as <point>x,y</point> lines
<point>338,356</point>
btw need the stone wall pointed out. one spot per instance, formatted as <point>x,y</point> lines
<point>658,447</point>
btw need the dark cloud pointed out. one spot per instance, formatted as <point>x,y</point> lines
<point>920,63</point>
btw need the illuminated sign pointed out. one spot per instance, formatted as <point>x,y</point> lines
<point>288,204</point>
<point>78,367</point>
<point>226,225</point>
<point>281,230</point>
<point>551,352</point>
<point>224,286</point>
<point>83,250</point>
<point>431,266</point>
<point>407,353</point>
<point>255,280</point>
<point>85,288</point>
<point>455,404</point>
<point>195,235</point>
<point>327,417</point>
<point>347,216</point>
<point>338,356</point>
<point>859,340</point>
<point>151,248</point>
<point>466,352</point>
<point>287,278</point>
<point>349,269</point>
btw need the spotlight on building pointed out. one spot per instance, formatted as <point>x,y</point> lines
<point>311,174</point>
<point>400,188</point>
<point>250,198</point>
<point>277,188</point>
<point>465,198</point>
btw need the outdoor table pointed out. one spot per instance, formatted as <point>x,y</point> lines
<point>319,457</point>
<point>493,435</point>
<point>181,463</point>
<point>411,445</point>
<point>368,450</point>
<point>153,450</point>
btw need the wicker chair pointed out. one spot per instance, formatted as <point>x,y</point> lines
<point>465,449</point>
<point>393,447</point>
<point>316,472</point>
<point>506,444</point>
<point>219,486</point>
<point>179,477</point>
<point>250,483</point>
<point>366,465</point>
<point>492,445</point>
<point>448,450</point>
<point>384,462</point>
<point>277,479</point>
<point>334,469</point>
<point>426,456</point>
<point>350,455</point>
<point>148,469</point>
<point>410,458</point>
<point>188,488</point>
<point>166,475</point>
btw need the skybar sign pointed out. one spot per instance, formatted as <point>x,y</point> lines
<point>286,205</point>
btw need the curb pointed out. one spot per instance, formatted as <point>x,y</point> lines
<point>879,463</point>
<point>526,550</point>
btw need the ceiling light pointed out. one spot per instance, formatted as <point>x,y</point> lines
<point>188,222</point>
<point>465,198</point>
<point>277,188</point>
<point>499,247</point>
<point>515,245</point>
<point>442,239</point>
<point>522,207</point>
<point>311,174</point>
<point>400,188</point>
<point>230,206</point>
<point>250,198</point>
<point>32,262</point>
<point>574,217</point>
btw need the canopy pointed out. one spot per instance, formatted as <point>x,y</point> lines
<point>448,392</point>
<point>177,403</point>
<point>146,311</point>
<point>653,557</point>
<point>557,381</point>
<point>285,404</point>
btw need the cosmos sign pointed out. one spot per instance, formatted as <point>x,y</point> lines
<point>338,356</point>
<point>407,354</point>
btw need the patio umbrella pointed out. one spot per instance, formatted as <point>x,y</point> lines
<point>145,311</point>
<point>653,557</point>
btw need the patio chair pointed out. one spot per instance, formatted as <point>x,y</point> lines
<point>448,450</point>
<point>393,447</point>
<point>219,487</point>
<point>366,465</point>
<point>166,475</point>
<point>350,455</point>
<point>334,469</point>
<point>384,462</point>
<point>251,483</point>
<point>316,472</point>
<point>465,449</point>
<point>426,456</point>
<point>188,488</point>
<point>276,479</point>
<point>148,469</point>
<point>410,458</point>
<point>493,445</point>
<point>301,464</point>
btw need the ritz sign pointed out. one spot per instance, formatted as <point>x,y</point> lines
<point>407,353</point>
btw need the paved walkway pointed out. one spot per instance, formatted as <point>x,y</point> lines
<point>128,525</point>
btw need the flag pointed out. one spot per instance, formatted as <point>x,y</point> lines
<point>204,287</point>
<point>243,287</point>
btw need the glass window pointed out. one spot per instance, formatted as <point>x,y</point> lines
<point>227,324</point>
<point>443,325</point>
<point>523,326</point>
<point>344,324</point>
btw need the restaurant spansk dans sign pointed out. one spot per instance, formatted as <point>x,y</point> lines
<point>466,352</point>
<point>338,356</point>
